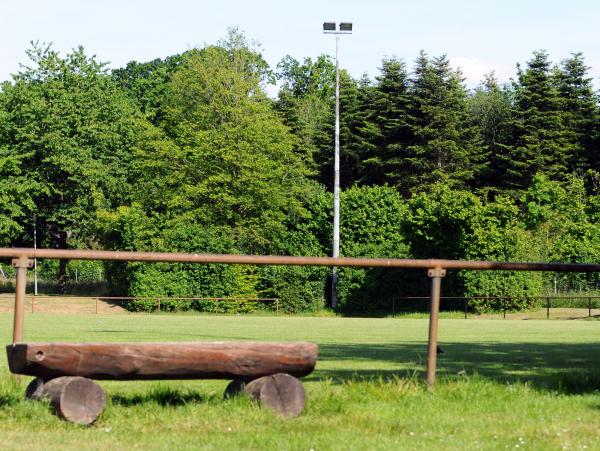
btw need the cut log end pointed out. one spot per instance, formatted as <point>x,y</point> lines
<point>280,392</point>
<point>75,399</point>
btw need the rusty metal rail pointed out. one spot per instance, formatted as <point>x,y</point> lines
<point>465,301</point>
<point>157,300</point>
<point>22,260</point>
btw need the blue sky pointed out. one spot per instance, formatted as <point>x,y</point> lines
<point>478,36</point>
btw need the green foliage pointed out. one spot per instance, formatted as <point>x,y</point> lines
<point>446,143</point>
<point>66,133</point>
<point>565,219</point>
<point>371,226</point>
<point>454,224</point>
<point>187,153</point>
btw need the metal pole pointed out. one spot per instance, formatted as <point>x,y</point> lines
<point>548,308</point>
<point>32,305</point>
<point>35,284</point>
<point>436,275</point>
<point>21,264</point>
<point>336,180</point>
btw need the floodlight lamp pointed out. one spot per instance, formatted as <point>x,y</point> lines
<point>346,26</point>
<point>328,26</point>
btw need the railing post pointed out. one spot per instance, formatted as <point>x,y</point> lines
<point>21,264</point>
<point>436,275</point>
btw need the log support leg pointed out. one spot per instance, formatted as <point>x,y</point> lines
<point>280,392</point>
<point>75,399</point>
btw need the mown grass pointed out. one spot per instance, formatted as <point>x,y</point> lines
<point>502,384</point>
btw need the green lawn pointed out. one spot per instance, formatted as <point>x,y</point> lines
<point>502,384</point>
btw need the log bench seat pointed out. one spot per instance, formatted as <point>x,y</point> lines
<point>267,371</point>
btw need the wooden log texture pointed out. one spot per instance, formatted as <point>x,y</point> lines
<point>279,392</point>
<point>74,399</point>
<point>134,361</point>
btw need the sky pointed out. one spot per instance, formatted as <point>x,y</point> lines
<point>477,36</point>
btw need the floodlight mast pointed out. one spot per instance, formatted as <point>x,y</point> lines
<point>330,28</point>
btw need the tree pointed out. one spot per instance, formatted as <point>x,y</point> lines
<point>305,102</point>
<point>228,157</point>
<point>579,111</point>
<point>541,142</point>
<point>66,130</point>
<point>491,109</point>
<point>147,82</point>
<point>393,133</point>
<point>446,143</point>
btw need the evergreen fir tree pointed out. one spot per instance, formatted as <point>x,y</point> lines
<point>393,133</point>
<point>579,110</point>
<point>446,144</point>
<point>491,109</point>
<point>541,142</point>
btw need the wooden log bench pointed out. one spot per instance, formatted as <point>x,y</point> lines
<point>267,371</point>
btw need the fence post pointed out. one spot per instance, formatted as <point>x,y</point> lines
<point>548,307</point>
<point>277,307</point>
<point>504,308</point>
<point>21,264</point>
<point>590,307</point>
<point>436,275</point>
<point>32,304</point>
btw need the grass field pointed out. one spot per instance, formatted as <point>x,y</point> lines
<point>502,384</point>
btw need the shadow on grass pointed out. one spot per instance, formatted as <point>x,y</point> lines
<point>163,397</point>
<point>7,400</point>
<point>570,368</point>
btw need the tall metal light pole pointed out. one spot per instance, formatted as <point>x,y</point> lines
<point>332,28</point>
<point>35,284</point>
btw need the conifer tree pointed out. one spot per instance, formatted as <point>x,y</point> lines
<point>491,109</point>
<point>541,142</point>
<point>579,110</point>
<point>393,133</point>
<point>446,144</point>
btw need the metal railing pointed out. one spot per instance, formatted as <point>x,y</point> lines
<point>506,300</point>
<point>156,299</point>
<point>436,270</point>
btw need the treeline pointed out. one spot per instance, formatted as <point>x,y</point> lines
<point>189,154</point>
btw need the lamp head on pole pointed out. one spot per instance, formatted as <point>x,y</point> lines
<point>334,28</point>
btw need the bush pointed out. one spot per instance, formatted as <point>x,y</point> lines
<point>299,289</point>
<point>371,226</point>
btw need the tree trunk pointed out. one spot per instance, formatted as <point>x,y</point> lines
<point>133,361</point>
<point>62,276</point>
